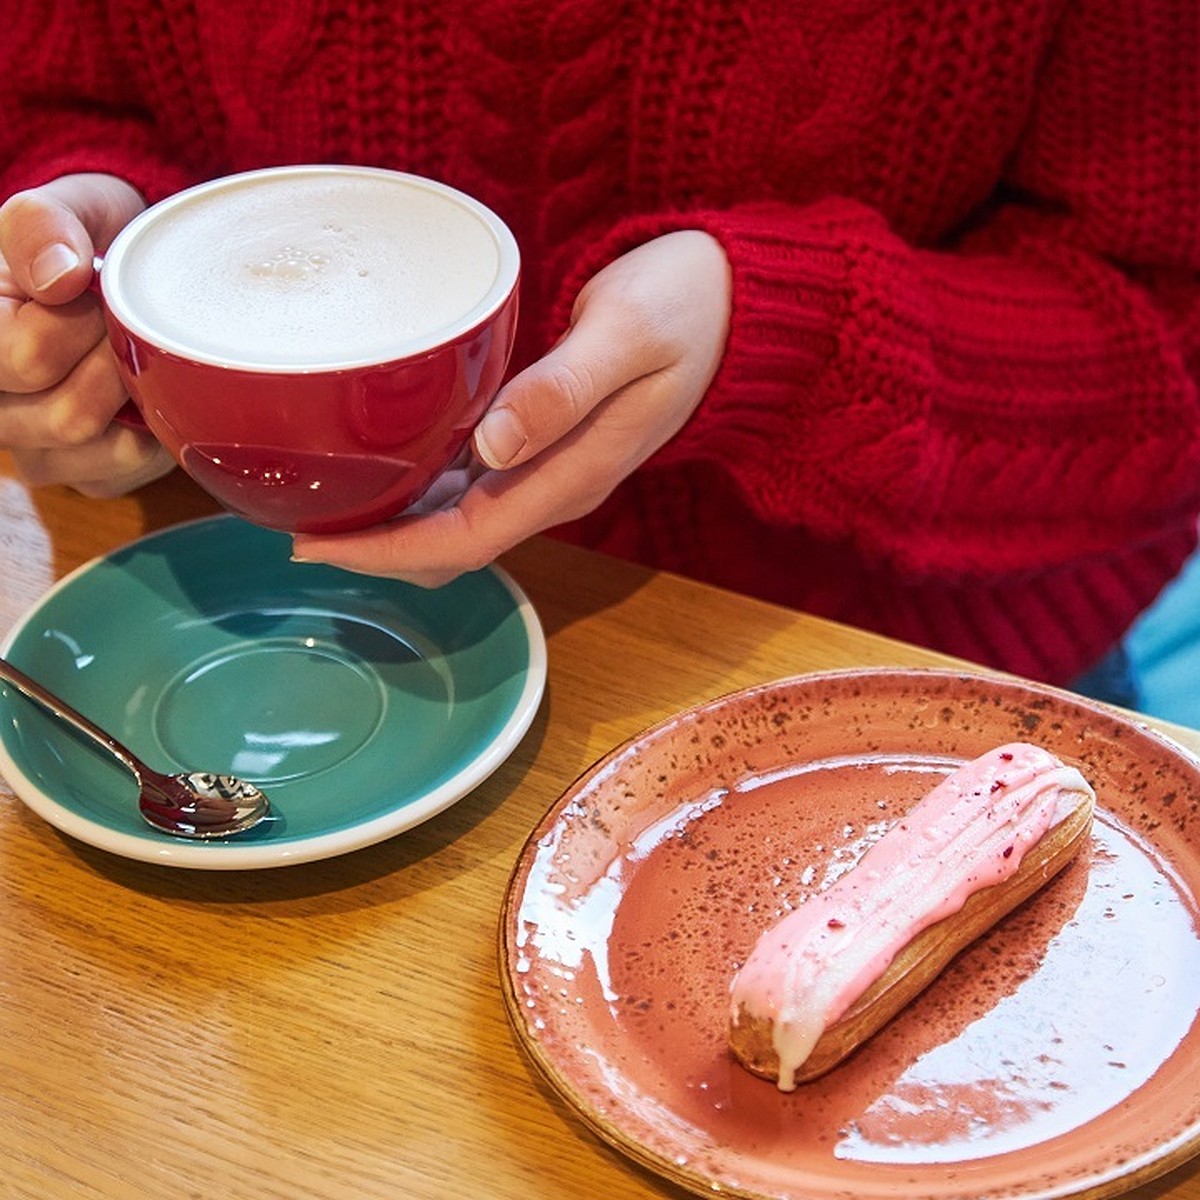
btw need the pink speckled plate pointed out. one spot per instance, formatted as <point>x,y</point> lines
<point>1055,1057</point>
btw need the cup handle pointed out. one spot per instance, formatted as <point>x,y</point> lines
<point>128,414</point>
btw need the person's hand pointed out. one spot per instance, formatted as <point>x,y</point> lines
<point>646,337</point>
<point>59,386</point>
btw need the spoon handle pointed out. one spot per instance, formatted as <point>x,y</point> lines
<point>34,691</point>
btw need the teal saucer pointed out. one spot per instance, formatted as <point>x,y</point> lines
<point>361,706</point>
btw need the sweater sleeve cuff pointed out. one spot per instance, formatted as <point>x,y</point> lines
<point>779,405</point>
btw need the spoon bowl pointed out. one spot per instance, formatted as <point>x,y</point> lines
<point>199,805</point>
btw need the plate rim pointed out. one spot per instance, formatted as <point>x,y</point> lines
<point>231,855</point>
<point>1182,1147</point>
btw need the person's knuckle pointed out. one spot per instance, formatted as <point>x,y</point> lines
<point>476,543</point>
<point>40,348</point>
<point>575,388</point>
<point>73,422</point>
<point>19,208</point>
<point>27,366</point>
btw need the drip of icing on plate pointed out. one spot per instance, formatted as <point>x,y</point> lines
<point>970,832</point>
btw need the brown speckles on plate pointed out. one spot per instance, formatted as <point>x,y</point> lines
<point>1052,1058</point>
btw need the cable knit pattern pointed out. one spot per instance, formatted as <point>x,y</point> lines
<point>958,402</point>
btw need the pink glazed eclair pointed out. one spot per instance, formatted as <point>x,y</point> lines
<point>837,968</point>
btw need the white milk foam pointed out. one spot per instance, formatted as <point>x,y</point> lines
<point>305,270</point>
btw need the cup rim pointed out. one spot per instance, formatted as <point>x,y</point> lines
<point>108,268</point>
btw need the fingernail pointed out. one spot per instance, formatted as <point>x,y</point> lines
<point>51,265</point>
<point>499,438</point>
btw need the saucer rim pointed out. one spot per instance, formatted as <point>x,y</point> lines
<point>152,847</point>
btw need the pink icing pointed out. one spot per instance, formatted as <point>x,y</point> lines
<point>971,831</point>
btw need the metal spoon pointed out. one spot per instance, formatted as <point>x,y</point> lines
<point>196,805</point>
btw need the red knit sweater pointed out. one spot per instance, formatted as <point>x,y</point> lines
<point>958,403</point>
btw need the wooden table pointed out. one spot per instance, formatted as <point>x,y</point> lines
<point>337,1029</point>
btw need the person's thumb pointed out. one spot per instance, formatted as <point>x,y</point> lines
<point>49,235</point>
<point>603,351</point>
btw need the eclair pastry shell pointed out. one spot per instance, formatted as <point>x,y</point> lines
<point>919,962</point>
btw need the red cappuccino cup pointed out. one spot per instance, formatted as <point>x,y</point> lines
<point>314,344</point>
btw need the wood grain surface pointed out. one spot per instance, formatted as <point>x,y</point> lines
<point>336,1030</point>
